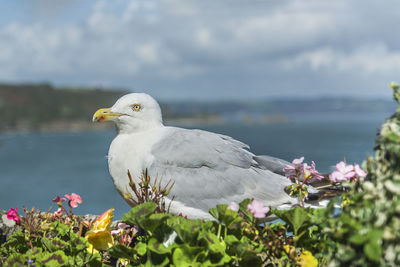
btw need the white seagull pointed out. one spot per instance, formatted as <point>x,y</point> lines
<point>207,168</point>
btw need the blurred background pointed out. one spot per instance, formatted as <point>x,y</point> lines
<point>289,78</point>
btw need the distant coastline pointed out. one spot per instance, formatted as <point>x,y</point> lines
<point>44,108</point>
<point>81,126</point>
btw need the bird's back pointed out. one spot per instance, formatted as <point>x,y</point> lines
<point>210,169</point>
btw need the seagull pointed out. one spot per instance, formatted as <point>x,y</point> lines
<point>207,168</point>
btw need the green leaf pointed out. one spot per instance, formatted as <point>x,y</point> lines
<point>187,230</point>
<point>32,253</point>
<point>373,251</point>
<point>186,255</point>
<point>78,243</point>
<point>141,248</point>
<point>88,259</point>
<point>231,240</point>
<point>122,251</point>
<point>221,262</point>
<point>16,243</point>
<point>61,230</point>
<point>15,260</point>
<point>297,217</point>
<point>214,244</point>
<point>358,239</point>
<point>54,244</point>
<point>243,250</point>
<point>243,208</point>
<point>139,213</point>
<point>214,213</point>
<point>158,247</point>
<point>154,221</point>
<point>52,259</point>
<point>226,216</point>
<point>375,235</point>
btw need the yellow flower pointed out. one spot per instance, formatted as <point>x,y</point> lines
<point>124,262</point>
<point>290,250</point>
<point>306,259</point>
<point>99,235</point>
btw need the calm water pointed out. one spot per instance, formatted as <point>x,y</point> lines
<point>34,168</point>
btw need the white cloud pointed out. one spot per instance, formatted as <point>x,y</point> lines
<point>368,59</point>
<point>204,37</point>
<point>147,53</point>
<point>225,45</point>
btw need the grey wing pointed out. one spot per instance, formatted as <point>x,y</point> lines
<point>210,169</point>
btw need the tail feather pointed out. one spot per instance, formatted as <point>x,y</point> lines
<point>324,190</point>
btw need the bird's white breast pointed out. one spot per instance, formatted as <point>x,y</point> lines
<point>131,152</point>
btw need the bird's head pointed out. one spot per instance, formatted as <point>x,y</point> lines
<point>132,113</point>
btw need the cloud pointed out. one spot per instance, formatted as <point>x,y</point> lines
<point>205,48</point>
<point>369,59</point>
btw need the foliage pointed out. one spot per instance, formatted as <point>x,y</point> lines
<point>230,240</point>
<point>56,246</point>
<point>235,238</point>
<point>48,239</point>
<point>367,231</point>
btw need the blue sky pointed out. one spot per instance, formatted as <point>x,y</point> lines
<point>226,49</point>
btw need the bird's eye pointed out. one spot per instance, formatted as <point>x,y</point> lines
<point>136,107</point>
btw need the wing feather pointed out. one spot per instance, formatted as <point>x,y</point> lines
<point>210,168</point>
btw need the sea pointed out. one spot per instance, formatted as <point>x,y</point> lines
<point>36,167</point>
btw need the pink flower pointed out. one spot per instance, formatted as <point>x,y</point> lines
<point>305,172</point>
<point>116,232</point>
<point>58,199</point>
<point>297,162</point>
<point>359,172</point>
<point>181,215</point>
<point>346,170</point>
<point>74,199</point>
<point>233,206</point>
<point>343,173</point>
<point>58,213</point>
<point>290,170</point>
<point>121,227</point>
<point>258,209</point>
<point>336,177</point>
<point>12,214</point>
<point>315,173</point>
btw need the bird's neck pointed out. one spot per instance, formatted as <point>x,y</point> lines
<point>138,126</point>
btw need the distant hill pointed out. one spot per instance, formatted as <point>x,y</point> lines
<point>284,106</point>
<point>28,107</point>
<point>41,107</point>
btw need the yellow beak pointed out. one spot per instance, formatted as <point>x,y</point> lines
<point>105,114</point>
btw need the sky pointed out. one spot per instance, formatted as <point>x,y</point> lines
<point>205,50</point>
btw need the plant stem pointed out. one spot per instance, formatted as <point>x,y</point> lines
<point>219,230</point>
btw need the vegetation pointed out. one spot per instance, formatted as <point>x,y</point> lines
<point>365,233</point>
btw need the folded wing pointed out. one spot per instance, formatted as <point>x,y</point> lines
<point>209,168</point>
